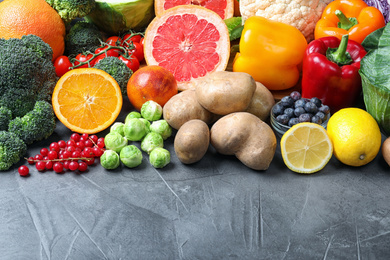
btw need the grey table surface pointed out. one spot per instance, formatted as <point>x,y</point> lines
<point>214,209</point>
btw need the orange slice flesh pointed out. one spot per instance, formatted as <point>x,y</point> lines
<point>87,100</point>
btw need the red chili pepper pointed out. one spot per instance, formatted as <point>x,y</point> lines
<point>330,71</point>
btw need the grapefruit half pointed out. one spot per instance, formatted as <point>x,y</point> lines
<point>224,8</point>
<point>188,40</point>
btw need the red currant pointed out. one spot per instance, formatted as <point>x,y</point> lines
<point>40,166</point>
<point>83,166</point>
<point>52,155</point>
<point>70,149</point>
<point>23,171</point>
<point>76,154</point>
<point>85,136</point>
<point>30,160</point>
<point>66,164</point>
<point>49,165</point>
<point>75,137</point>
<point>62,144</point>
<point>71,142</point>
<point>44,151</point>
<point>54,147</point>
<point>38,157</point>
<point>58,167</point>
<point>97,151</point>
<point>88,143</point>
<point>88,152</point>
<point>73,165</point>
<point>90,161</point>
<point>93,138</point>
<point>80,145</point>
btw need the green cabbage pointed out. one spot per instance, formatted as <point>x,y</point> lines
<point>117,16</point>
<point>375,74</point>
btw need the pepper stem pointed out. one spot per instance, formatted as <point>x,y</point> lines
<point>345,23</point>
<point>339,55</point>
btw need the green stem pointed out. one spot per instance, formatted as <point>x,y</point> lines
<point>340,55</point>
<point>344,22</point>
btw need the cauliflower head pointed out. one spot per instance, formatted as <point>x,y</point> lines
<point>302,14</point>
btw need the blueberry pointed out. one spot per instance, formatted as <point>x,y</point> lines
<point>316,101</point>
<point>289,112</point>
<point>293,121</point>
<point>299,111</point>
<point>300,103</point>
<point>283,119</point>
<point>277,109</point>
<point>320,115</point>
<point>324,109</point>
<point>306,117</point>
<point>287,101</point>
<point>295,95</point>
<point>310,107</point>
<point>316,119</point>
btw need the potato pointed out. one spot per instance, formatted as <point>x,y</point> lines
<point>184,107</point>
<point>225,92</point>
<point>192,141</point>
<point>247,137</point>
<point>386,150</point>
<point>262,102</point>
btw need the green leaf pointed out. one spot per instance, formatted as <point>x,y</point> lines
<point>235,27</point>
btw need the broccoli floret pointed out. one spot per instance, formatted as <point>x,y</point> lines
<point>83,36</point>
<point>12,148</point>
<point>117,69</point>
<point>5,118</point>
<point>27,73</point>
<point>71,9</point>
<point>36,125</point>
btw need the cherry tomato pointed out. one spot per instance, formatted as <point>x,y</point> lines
<point>142,41</point>
<point>131,62</point>
<point>129,38</point>
<point>137,51</point>
<point>62,65</point>
<point>82,58</point>
<point>97,59</point>
<point>113,40</point>
<point>104,53</point>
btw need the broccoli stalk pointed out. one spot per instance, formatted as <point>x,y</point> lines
<point>71,9</point>
<point>12,148</point>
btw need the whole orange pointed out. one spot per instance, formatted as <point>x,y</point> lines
<point>22,17</point>
<point>151,83</point>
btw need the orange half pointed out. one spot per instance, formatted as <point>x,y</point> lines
<point>87,100</point>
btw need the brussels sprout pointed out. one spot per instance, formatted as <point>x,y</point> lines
<point>133,114</point>
<point>131,156</point>
<point>162,127</point>
<point>151,141</point>
<point>147,123</point>
<point>115,141</point>
<point>110,160</point>
<point>118,127</point>
<point>135,129</point>
<point>151,110</point>
<point>159,157</point>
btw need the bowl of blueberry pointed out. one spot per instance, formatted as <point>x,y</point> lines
<point>294,109</point>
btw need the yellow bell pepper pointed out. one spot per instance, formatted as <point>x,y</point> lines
<point>271,52</point>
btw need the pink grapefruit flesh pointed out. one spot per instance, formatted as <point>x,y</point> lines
<point>224,8</point>
<point>188,40</point>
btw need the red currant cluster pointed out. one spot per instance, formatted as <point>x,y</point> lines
<point>77,153</point>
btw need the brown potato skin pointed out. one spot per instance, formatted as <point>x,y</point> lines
<point>184,107</point>
<point>247,137</point>
<point>386,150</point>
<point>192,141</point>
<point>225,92</point>
<point>262,102</point>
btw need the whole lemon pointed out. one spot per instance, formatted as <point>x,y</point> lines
<point>355,135</point>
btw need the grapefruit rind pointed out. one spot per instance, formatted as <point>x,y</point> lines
<point>156,29</point>
<point>228,11</point>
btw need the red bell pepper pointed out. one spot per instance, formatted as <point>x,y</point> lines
<point>330,71</point>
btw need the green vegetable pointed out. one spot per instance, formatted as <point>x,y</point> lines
<point>115,141</point>
<point>159,157</point>
<point>375,74</point>
<point>235,27</point>
<point>117,69</point>
<point>12,148</point>
<point>118,127</point>
<point>161,127</point>
<point>27,73</point>
<point>36,125</point>
<point>132,114</point>
<point>110,160</point>
<point>5,118</point>
<point>151,110</point>
<point>117,16</point>
<point>82,37</point>
<point>151,141</point>
<point>131,156</point>
<point>135,129</point>
<point>147,124</point>
<point>71,9</point>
